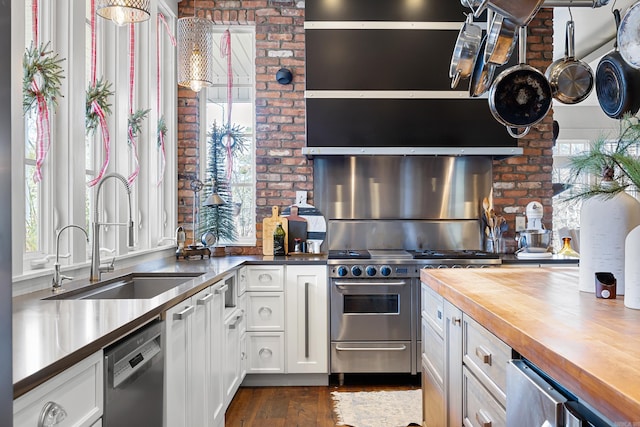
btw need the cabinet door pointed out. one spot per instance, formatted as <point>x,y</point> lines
<point>307,332</point>
<point>453,363</point>
<point>177,373</point>
<point>200,357</point>
<point>433,407</point>
<point>231,368</point>
<point>215,386</point>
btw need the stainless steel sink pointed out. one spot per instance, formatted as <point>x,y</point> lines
<point>131,286</point>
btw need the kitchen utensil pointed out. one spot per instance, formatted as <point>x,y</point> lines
<point>628,36</point>
<point>268,227</point>
<point>520,12</point>
<point>617,83</point>
<point>571,80</point>
<point>465,51</point>
<point>297,227</point>
<point>501,39</point>
<point>482,74</point>
<point>520,96</point>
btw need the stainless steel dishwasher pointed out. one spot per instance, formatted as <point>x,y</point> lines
<point>133,379</point>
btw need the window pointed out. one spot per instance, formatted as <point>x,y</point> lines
<point>242,180</point>
<point>63,197</point>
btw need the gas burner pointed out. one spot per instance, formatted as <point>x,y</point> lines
<point>349,254</point>
<point>453,254</point>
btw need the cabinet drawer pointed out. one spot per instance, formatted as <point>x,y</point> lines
<point>265,352</point>
<point>265,311</point>
<point>433,350</point>
<point>78,390</point>
<point>242,281</point>
<point>265,278</point>
<point>487,356</point>
<point>432,309</point>
<point>479,407</point>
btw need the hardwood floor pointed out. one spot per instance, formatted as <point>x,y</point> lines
<point>296,406</point>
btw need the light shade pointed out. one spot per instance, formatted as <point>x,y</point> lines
<point>213,200</point>
<point>195,53</point>
<point>123,11</point>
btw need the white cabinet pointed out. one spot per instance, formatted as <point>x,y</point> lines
<point>193,360</point>
<point>463,367</point>
<point>306,329</point>
<point>232,369</point>
<point>75,396</point>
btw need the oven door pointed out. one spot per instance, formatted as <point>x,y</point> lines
<point>371,310</point>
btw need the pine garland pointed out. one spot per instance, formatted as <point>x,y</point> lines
<point>162,129</point>
<point>99,92</point>
<point>41,64</point>
<point>135,123</point>
<point>620,159</point>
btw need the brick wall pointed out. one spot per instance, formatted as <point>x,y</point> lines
<point>280,121</point>
<point>523,179</point>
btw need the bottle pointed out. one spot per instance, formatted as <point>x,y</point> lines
<point>278,240</point>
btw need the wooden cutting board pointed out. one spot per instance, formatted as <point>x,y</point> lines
<point>297,228</point>
<point>268,227</point>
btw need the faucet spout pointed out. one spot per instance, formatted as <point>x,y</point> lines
<point>57,277</point>
<point>96,270</point>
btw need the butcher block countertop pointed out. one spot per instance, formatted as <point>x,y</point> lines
<point>590,346</point>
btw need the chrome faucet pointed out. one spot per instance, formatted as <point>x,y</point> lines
<point>57,276</point>
<point>96,269</point>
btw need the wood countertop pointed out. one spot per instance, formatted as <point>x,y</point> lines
<point>49,336</point>
<point>590,346</point>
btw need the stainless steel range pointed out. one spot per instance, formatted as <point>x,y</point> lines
<point>375,305</point>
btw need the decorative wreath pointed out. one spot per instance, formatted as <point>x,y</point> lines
<point>42,76</point>
<point>135,123</point>
<point>98,92</point>
<point>162,130</point>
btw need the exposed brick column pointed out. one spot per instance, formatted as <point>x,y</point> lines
<point>523,179</point>
<point>281,169</point>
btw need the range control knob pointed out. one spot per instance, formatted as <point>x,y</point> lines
<point>342,271</point>
<point>385,270</point>
<point>371,270</point>
<point>356,270</point>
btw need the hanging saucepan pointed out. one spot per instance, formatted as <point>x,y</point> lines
<point>465,51</point>
<point>617,83</point>
<point>501,40</point>
<point>520,12</point>
<point>482,74</point>
<point>571,80</point>
<point>520,96</point>
<point>628,36</point>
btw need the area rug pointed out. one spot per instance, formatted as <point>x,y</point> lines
<point>378,408</point>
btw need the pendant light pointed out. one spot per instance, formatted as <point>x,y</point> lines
<point>195,47</point>
<point>123,11</point>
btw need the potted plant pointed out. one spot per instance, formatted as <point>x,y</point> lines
<point>224,143</point>
<point>609,216</point>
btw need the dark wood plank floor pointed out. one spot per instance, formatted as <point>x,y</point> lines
<point>294,406</point>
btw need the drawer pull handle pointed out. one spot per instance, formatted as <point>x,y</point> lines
<point>483,419</point>
<point>52,414</point>
<point>222,289</point>
<point>484,355</point>
<point>184,313</point>
<point>456,321</point>
<point>205,299</point>
<point>265,353</point>
<point>306,320</point>
<point>265,312</point>
<point>439,314</point>
<point>265,278</point>
<point>401,348</point>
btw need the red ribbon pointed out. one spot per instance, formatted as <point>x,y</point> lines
<point>34,21</point>
<point>132,139</point>
<point>225,50</point>
<point>43,131</point>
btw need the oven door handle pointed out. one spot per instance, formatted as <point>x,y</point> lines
<point>343,285</point>
<point>400,348</point>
